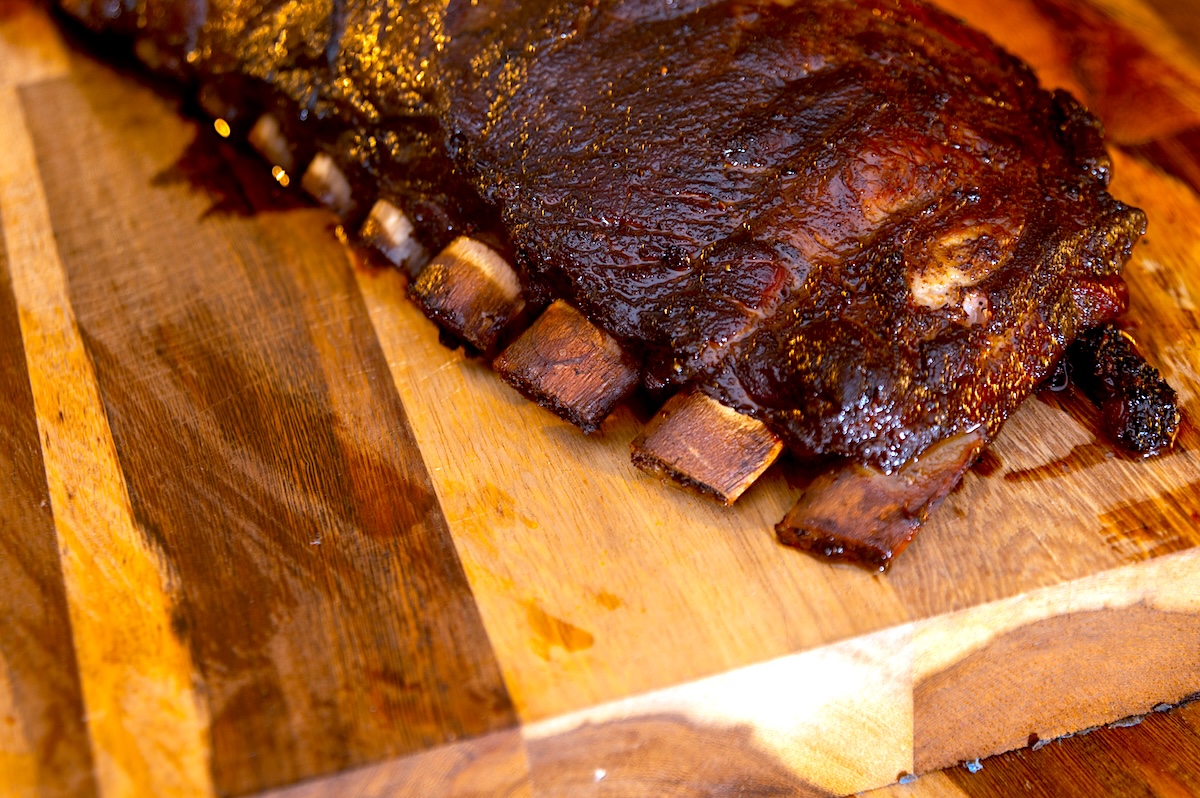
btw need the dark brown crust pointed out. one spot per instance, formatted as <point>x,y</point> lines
<point>830,214</point>
<point>857,223</point>
<point>1140,410</point>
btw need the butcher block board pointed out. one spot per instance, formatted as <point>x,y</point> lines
<point>263,533</point>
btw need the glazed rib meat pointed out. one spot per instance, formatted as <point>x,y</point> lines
<point>858,221</point>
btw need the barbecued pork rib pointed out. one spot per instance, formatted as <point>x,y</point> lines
<point>857,221</point>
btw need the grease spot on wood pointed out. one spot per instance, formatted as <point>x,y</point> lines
<point>550,632</point>
<point>497,506</point>
<point>1163,524</point>
<point>1082,456</point>
<point>988,463</point>
<point>608,601</point>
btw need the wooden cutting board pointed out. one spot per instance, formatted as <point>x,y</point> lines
<point>263,533</point>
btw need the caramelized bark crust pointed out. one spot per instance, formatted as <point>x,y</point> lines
<point>1140,410</point>
<point>855,220</point>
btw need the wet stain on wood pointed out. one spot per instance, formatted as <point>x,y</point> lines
<point>1082,456</point>
<point>550,632</point>
<point>608,601</point>
<point>1166,523</point>
<point>987,464</point>
<point>495,507</point>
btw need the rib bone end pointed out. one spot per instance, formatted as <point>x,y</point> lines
<point>471,291</point>
<point>327,184</point>
<point>859,515</point>
<point>706,446</point>
<point>569,366</point>
<point>267,138</point>
<point>390,232</point>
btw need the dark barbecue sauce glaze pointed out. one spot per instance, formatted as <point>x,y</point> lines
<point>860,222</point>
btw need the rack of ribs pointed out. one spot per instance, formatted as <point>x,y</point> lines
<point>853,230</point>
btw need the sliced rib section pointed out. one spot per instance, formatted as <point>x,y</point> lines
<point>860,515</point>
<point>706,446</point>
<point>471,292</point>
<point>570,366</point>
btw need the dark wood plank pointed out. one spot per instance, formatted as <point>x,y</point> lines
<point>1183,17</point>
<point>36,647</point>
<point>1178,155</point>
<point>266,453</point>
<point>1053,677</point>
<point>1156,758</point>
<point>1134,91</point>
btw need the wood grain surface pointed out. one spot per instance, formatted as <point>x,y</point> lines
<point>44,745</point>
<point>263,534</point>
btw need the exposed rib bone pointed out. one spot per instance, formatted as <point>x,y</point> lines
<point>704,445</point>
<point>471,291</point>
<point>326,183</point>
<point>267,137</point>
<point>569,366</point>
<point>860,515</point>
<point>390,232</point>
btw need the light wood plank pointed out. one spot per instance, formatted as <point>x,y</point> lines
<point>45,748</point>
<point>147,726</point>
<point>20,768</point>
<point>833,720</point>
<point>30,46</point>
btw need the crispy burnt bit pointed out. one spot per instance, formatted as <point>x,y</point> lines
<point>859,515</point>
<point>1140,410</point>
<point>570,366</point>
